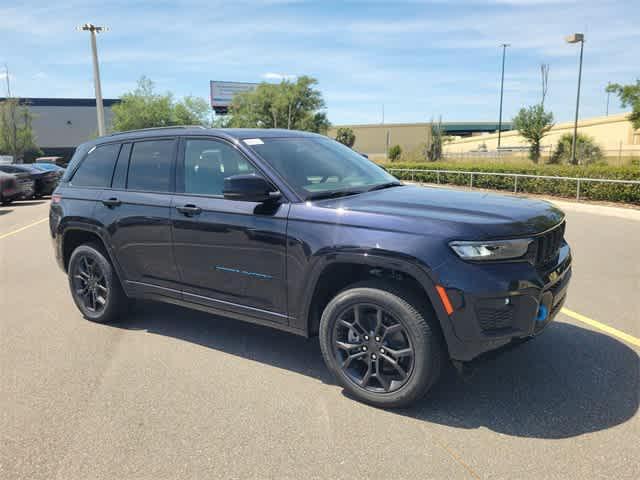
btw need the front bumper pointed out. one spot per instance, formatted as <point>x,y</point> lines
<point>500,303</point>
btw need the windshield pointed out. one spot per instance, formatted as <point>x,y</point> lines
<point>319,167</point>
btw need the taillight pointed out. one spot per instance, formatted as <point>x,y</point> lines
<point>56,198</point>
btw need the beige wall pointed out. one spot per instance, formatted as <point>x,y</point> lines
<point>371,139</point>
<point>611,133</point>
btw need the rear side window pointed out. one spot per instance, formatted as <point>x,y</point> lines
<point>150,166</point>
<point>96,169</point>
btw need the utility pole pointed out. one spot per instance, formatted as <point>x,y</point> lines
<point>576,38</point>
<point>383,114</point>
<point>93,30</point>
<point>608,95</point>
<point>504,52</point>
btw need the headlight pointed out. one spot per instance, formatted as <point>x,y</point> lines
<point>492,250</point>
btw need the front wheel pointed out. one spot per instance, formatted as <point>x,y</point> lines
<point>382,347</point>
<point>95,288</point>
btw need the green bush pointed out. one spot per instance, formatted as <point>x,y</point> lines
<point>587,150</point>
<point>345,136</point>
<point>394,153</point>
<point>563,188</point>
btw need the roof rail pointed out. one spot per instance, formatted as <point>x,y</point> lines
<point>151,129</point>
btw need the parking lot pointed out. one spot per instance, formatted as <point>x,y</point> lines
<point>171,393</point>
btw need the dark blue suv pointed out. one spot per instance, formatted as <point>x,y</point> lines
<point>295,231</point>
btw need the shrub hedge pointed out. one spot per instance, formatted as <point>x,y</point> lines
<point>564,188</point>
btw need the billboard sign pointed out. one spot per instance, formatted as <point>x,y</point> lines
<point>222,93</point>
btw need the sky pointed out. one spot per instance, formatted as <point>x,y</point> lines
<point>421,59</point>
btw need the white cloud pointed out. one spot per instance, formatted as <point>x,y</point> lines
<point>277,76</point>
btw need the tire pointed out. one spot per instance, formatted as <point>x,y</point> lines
<point>418,330</point>
<point>90,268</point>
<point>4,202</point>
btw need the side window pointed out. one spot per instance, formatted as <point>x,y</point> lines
<point>208,162</point>
<point>96,169</point>
<point>150,166</point>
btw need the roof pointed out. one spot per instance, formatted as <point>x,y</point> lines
<point>64,102</point>
<point>230,133</point>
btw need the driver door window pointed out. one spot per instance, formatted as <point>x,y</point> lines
<point>207,163</point>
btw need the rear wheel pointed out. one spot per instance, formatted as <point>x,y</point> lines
<point>380,344</point>
<point>94,285</point>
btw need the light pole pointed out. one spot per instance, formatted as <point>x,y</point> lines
<point>504,52</point>
<point>576,38</point>
<point>93,29</point>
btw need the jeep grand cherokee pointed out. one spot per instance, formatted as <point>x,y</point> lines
<point>298,232</point>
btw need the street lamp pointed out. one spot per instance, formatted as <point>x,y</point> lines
<point>504,51</point>
<point>576,38</point>
<point>93,29</point>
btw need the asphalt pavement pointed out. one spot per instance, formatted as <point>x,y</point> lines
<point>172,393</point>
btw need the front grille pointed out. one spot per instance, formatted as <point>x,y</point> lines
<point>548,245</point>
<point>495,318</point>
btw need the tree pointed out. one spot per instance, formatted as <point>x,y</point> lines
<point>346,136</point>
<point>434,146</point>
<point>533,123</point>
<point>16,130</point>
<point>587,151</point>
<point>394,153</point>
<point>292,105</point>
<point>544,73</point>
<point>629,97</point>
<point>192,111</point>
<point>144,108</point>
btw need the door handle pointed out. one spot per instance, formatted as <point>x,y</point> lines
<point>111,202</point>
<point>189,210</point>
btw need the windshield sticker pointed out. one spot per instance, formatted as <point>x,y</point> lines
<point>253,141</point>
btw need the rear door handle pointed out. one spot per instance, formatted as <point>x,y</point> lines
<point>111,202</point>
<point>189,210</point>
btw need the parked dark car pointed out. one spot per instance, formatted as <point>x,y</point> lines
<point>49,167</point>
<point>295,231</point>
<point>45,181</point>
<point>15,186</point>
<point>50,160</point>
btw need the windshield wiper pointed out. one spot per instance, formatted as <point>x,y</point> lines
<point>384,185</point>
<point>332,194</point>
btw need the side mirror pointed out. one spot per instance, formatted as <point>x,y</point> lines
<point>248,188</point>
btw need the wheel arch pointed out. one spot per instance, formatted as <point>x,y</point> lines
<point>75,234</point>
<point>335,272</point>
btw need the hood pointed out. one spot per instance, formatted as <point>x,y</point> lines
<point>487,215</point>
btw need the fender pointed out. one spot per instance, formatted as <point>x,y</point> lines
<point>86,225</point>
<point>405,264</point>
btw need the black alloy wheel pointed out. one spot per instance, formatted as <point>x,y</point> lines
<point>90,284</point>
<point>382,342</point>
<point>373,348</point>
<point>95,287</point>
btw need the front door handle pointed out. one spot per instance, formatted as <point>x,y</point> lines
<point>189,210</point>
<point>111,202</point>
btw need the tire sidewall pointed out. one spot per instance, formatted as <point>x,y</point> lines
<point>419,379</point>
